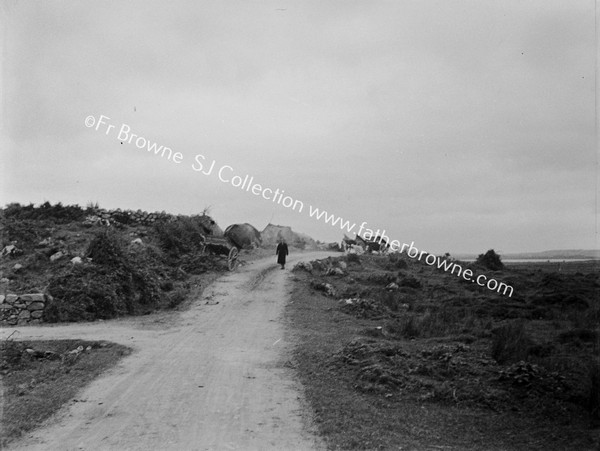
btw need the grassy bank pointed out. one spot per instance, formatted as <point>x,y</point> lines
<point>431,362</point>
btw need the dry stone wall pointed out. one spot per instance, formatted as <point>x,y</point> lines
<point>22,309</point>
<point>128,217</point>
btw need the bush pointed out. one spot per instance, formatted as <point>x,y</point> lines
<point>106,249</point>
<point>490,260</point>
<point>110,286</point>
<point>182,236</point>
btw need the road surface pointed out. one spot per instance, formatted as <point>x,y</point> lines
<point>210,378</point>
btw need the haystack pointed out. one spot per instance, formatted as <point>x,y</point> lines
<point>273,233</point>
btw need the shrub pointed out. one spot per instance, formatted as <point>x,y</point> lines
<point>490,260</point>
<point>184,235</point>
<point>106,249</point>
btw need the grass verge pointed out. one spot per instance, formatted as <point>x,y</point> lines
<point>37,384</point>
<point>369,385</point>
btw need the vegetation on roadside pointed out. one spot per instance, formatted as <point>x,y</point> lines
<point>126,268</point>
<point>395,353</point>
<point>39,377</point>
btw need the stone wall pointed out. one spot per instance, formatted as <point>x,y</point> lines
<point>22,309</point>
<point>128,217</point>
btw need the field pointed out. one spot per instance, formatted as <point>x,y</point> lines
<point>396,354</point>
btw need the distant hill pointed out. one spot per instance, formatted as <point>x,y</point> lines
<point>544,255</point>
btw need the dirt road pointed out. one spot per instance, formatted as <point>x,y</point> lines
<point>211,378</point>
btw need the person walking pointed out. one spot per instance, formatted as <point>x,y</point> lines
<point>281,252</point>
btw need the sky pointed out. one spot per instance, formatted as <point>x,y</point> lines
<point>458,125</point>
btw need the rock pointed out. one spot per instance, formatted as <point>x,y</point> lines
<point>36,306</point>
<point>24,314</point>
<point>342,265</point>
<point>37,314</point>
<point>325,287</point>
<point>2,297</point>
<point>11,298</point>
<point>56,256</point>
<point>76,260</point>
<point>33,297</point>
<point>306,266</point>
<point>392,287</point>
<point>8,250</point>
<point>17,267</point>
<point>334,272</point>
<point>6,307</point>
<point>44,242</point>
<point>137,241</point>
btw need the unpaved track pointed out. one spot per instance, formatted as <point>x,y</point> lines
<point>214,379</point>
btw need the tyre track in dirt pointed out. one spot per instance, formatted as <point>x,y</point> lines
<point>213,379</point>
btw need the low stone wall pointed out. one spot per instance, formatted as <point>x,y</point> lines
<point>129,216</point>
<point>22,309</point>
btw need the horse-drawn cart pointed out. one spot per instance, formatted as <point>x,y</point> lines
<point>222,246</point>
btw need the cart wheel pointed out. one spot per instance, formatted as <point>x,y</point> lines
<point>232,258</point>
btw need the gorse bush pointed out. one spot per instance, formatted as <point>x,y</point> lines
<point>108,287</point>
<point>490,260</point>
<point>181,236</point>
<point>107,249</point>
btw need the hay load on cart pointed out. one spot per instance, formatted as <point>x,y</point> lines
<point>229,244</point>
<point>243,236</point>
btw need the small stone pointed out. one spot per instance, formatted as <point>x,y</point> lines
<point>56,256</point>
<point>137,241</point>
<point>2,297</point>
<point>37,314</point>
<point>17,267</point>
<point>76,260</point>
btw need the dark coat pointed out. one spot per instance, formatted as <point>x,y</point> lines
<point>282,251</point>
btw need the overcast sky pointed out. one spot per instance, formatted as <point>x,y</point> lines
<point>459,125</point>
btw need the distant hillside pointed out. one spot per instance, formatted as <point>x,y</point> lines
<point>544,255</point>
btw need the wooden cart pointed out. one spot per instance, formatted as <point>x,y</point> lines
<point>222,246</point>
